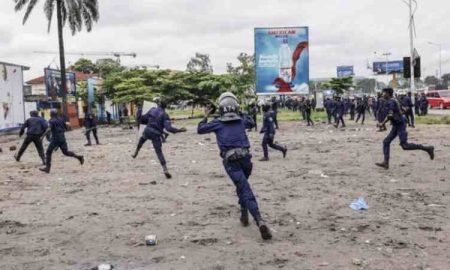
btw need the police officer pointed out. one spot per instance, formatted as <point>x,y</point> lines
<point>36,127</point>
<point>360,110</point>
<point>398,129</point>
<point>408,105</point>
<point>352,109</point>
<point>91,126</point>
<point>157,120</point>
<point>58,127</point>
<point>268,130</point>
<point>235,151</point>
<point>329,109</point>
<point>275,106</point>
<point>339,112</point>
<point>308,111</point>
<point>253,111</point>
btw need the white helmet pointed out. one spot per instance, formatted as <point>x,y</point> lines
<point>228,107</point>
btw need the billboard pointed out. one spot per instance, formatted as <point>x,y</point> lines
<point>345,71</point>
<point>53,83</point>
<point>12,109</point>
<point>392,67</point>
<point>282,60</point>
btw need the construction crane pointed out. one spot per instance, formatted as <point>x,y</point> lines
<point>115,54</point>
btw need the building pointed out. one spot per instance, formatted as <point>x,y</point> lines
<point>12,105</point>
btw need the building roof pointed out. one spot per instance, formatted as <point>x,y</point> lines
<point>16,65</point>
<point>79,76</point>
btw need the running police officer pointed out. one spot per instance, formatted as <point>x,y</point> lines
<point>36,127</point>
<point>235,151</point>
<point>91,126</point>
<point>157,120</point>
<point>268,130</point>
<point>58,128</point>
<point>398,121</point>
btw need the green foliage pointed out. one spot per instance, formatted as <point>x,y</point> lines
<point>431,80</point>
<point>108,66</point>
<point>341,85</point>
<point>243,76</point>
<point>85,65</point>
<point>200,63</point>
<point>366,85</point>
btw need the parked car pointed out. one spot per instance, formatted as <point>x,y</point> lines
<point>440,99</point>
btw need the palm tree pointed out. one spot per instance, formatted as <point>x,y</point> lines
<point>76,13</point>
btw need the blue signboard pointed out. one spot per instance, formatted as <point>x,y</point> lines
<point>53,83</point>
<point>282,60</point>
<point>345,71</point>
<point>392,67</point>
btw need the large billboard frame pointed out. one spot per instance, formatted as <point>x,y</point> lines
<point>383,69</point>
<point>279,82</point>
<point>52,81</point>
<point>345,71</point>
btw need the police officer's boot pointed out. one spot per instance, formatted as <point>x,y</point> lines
<point>244,217</point>
<point>166,172</point>
<point>264,159</point>
<point>430,151</point>
<point>45,169</point>
<point>264,230</point>
<point>17,157</point>
<point>80,159</point>
<point>384,164</point>
<point>285,152</point>
<point>136,152</point>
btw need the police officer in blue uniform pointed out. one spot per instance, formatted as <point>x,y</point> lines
<point>157,120</point>
<point>268,130</point>
<point>339,112</point>
<point>329,107</point>
<point>360,110</point>
<point>235,151</point>
<point>58,128</point>
<point>408,105</point>
<point>394,114</point>
<point>91,126</point>
<point>36,127</point>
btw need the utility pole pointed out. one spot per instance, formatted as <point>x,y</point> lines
<point>411,37</point>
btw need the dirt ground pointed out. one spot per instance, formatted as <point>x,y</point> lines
<point>80,216</point>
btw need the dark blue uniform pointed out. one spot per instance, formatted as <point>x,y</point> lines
<point>269,134</point>
<point>35,126</point>
<point>275,106</point>
<point>352,109</point>
<point>234,149</point>
<point>329,107</point>
<point>398,129</point>
<point>360,110</point>
<point>339,113</point>
<point>156,120</point>
<point>408,105</point>
<point>91,126</point>
<point>58,128</point>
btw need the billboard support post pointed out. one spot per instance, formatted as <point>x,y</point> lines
<point>411,39</point>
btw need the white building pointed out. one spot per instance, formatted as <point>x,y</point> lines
<point>12,107</point>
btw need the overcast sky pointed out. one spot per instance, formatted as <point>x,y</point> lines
<point>169,32</point>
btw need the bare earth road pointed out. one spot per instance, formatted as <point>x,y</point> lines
<point>78,217</point>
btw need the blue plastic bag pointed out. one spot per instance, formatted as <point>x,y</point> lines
<point>359,204</point>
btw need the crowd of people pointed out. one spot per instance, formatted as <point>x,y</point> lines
<point>230,126</point>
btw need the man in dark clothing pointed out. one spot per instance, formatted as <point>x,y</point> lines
<point>339,113</point>
<point>253,111</point>
<point>36,127</point>
<point>352,109</point>
<point>329,107</point>
<point>408,106</point>
<point>416,104</point>
<point>308,111</point>
<point>268,130</point>
<point>313,104</point>
<point>138,116</point>
<point>235,151</point>
<point>58,128</point>
<point>90,124</point>
<point>108,117</point>
<point>275,106</point>
<point>360,110</point>
<point>301,107</point>
<point>398,122</point>
<point>157,120</point>
<point>423,104</point>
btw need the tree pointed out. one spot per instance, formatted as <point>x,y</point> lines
<point>366,85</point>
<point>243,75</point>
<point>75,13</point>
<point>341,85</point>
<point>431,80</point>
<point>84,65</point>
<point>200,63</point>
<point>108,66</point>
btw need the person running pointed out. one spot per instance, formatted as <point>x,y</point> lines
<point>268,130</point>
<point>36,127</point>
<point>234,148</point>
<point>398,121</point>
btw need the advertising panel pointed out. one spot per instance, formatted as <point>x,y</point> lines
<point>282,60</point>
<point>12,110</point>
<point>53,84</point>
<point>345,71</point>
<point>379,68</point>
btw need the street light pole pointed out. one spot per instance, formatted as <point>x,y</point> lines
<point>411,39</point>
<point>440,57</point>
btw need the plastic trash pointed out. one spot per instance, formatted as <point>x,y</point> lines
<point>359,204</point>
<point>103,266</point>
<point>150,240</point>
